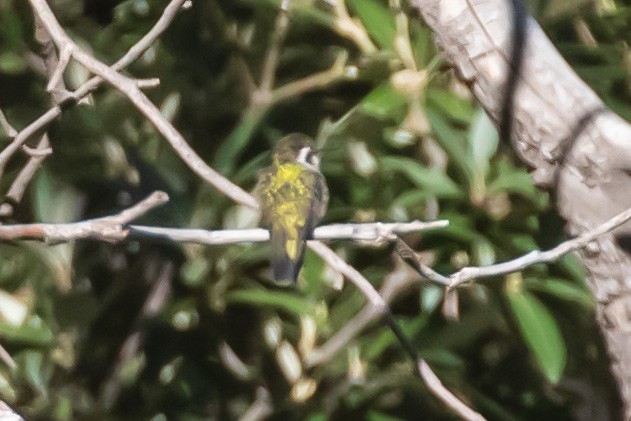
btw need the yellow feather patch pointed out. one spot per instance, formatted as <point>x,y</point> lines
<point>292,248</point>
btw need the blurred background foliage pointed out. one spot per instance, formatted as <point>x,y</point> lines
<point>149,330</point>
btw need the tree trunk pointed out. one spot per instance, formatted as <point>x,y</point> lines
<point>585,159</point>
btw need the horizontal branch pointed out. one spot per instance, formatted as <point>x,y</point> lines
<point>112,228</point>
<point>107,228</point>
<point>369,232</point>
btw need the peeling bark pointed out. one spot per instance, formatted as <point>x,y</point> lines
<point>586,164</point>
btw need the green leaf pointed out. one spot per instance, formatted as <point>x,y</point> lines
<point>32,332</point>
<point>563,289</point>
<point>11,63</point>
<point>264,297</point>
<point>35,370</point>
<point>380,416</point>
<point>483,140</point>
<point>376,19</point>
<point>432,180</point>
<point>513,180</point>
<point>451,140</point>
<point>456,108</point>
<point>384,102</point>
<point>540,331</point>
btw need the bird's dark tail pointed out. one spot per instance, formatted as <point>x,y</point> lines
<point>287,255</point>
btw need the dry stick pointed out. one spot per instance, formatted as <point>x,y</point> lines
<point>536,256</point>
<point>129,87</point>
<point>18,185</point>
<point>107,228</point>
<point>6,126</point>
<point>443,394</point>
<point>271,58</point>
<point>366,232</point>
<point>6,358</point>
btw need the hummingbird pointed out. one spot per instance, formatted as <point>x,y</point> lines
<point>293,196</point>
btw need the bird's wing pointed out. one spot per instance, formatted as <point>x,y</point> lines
<point>265,179</point>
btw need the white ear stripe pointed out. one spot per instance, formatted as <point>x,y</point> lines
<point>313,163</point>
<point>302,155</point>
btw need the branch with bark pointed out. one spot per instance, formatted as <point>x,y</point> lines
<point>552,105</point>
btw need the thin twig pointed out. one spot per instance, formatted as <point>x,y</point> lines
<point>273,52</point>
<point>380,307</point>
<point>6,358</point>
<point>350,273</point>
<point>409,256</point>
<point>444,395</point>
<point>107,228</point>
<point>20,182</point>
<point>6,126</point>
<point>536,256</point>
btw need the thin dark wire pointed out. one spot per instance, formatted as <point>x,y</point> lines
<point>403,339</point>
<point>518,46</point>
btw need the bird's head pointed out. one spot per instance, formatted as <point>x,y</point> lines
<point>296,147</point>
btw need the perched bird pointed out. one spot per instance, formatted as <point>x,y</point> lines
<point>293,196</point>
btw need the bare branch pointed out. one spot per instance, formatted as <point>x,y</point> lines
<point>19,184</point>
<point>380,307</point>
<point>536,256</point>
<point>107,228</point>
<point>369,232</point>
<point>410,257</point>
<point>271,58</point>
<point>39,152</point>
<point>65,55</point>
<point>6,358</point>
<point>338,71</point>
<point>6,126</point>
<point>444,395</point>
<point>350,273</point>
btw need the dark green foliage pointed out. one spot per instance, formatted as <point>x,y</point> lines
<point>524,347</point>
